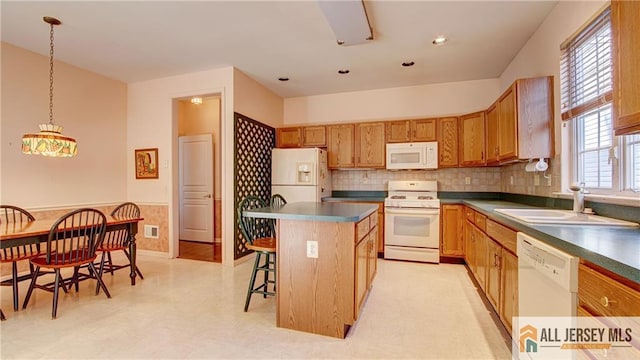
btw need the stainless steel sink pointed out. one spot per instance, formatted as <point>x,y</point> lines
<point>562,217</point>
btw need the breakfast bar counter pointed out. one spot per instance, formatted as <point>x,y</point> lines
<point>326,262</point>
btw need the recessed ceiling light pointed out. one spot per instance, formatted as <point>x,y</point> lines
<point>196,100</point>
<point>408,63</point>
<point>284,78</point>
<point>343,71</point>
<point>439,40</point>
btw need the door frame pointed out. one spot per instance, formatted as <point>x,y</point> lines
<point>174,188</point>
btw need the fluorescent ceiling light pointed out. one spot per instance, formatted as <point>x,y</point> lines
<point>348,19</point>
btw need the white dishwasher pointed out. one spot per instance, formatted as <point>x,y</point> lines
<point>547,279</point>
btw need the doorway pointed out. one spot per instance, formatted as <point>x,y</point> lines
<point>199,186</point>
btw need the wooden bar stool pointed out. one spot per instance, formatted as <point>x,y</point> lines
<point>260,238</point>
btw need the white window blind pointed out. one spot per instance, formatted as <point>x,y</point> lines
<point>585,68</point>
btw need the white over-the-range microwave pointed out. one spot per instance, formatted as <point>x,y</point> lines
<point>418,155</point>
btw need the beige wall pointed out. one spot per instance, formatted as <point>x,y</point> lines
<point>541,56</point>
<point>395,103</point>
<point>90,107</point>
<point>252,99</point>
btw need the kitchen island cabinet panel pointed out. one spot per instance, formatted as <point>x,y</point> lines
<point>304,303</point>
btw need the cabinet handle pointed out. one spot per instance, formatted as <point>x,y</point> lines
<point>606,302</point>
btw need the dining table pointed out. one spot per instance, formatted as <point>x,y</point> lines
<point>37,231</point>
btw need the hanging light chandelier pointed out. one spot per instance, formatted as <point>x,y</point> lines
<point>49,141</point>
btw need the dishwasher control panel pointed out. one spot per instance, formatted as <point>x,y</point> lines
<point>555,264</point>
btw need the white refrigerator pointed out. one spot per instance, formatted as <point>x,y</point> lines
<point>300,174</point>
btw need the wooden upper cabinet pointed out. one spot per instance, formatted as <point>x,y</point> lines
<point>492,134</point>
<point>525,120</point>
<point>290,137</point>
<point>416,130</point>
<point>448,142</point>
<point>625,27</point>
<point>370,145</point>
<point>507,125</point>
<point>424,130</point>
<point>314,136</point>
<point>472,139</point>
<point>398,131</point>
<point>340,146</point>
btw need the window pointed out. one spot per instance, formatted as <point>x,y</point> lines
<point>586,78</point>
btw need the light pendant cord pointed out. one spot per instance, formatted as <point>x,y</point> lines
<point>51,75</point>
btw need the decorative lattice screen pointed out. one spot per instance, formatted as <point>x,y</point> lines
<point>252,168</point>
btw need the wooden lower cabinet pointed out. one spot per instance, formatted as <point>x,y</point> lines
<point>508,307</point>
<point>451,230</point>
<point>490,258</point>
<point>494,255</point>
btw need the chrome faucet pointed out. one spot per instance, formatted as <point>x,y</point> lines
<point>578,197</point>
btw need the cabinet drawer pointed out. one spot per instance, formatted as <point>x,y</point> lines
<point>480,221</point>
<point>362,228</point>
<point>604,296</point>
<point>469,214</point>
<point>502,234</point>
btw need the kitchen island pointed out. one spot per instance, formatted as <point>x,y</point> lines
<point>326,262</point>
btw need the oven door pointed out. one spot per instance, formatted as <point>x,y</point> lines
<point>412,227</point>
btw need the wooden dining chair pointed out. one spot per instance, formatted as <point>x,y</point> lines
<point>11,216</point>
<point>260,238</point>
<point>277,200</point>
<point>72,242</point>
<point>118,240</point>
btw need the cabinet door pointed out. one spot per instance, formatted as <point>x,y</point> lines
<point>423,130</point>
<point>481,257</point>
<point>452,242</point>
<point>362,254</point>
<point>494,254</point>
<point>398,131</point>
<point>472,139</point>
<point>469,246</point>
<point>288,137</point>
<point>370,145</point>
<point>314,136</point>
<point>492,134</point>
<point>508,288</point>
<point>372,258</point>
<point>507,128</point>
<point>448,142</point>
<point>625,27</point>
<point>340,146</point>
<point>380,241</point>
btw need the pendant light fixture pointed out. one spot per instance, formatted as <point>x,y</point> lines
<point>49,141</point>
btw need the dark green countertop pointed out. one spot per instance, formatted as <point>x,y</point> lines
<point>316,211</point>
<point>613,248</point>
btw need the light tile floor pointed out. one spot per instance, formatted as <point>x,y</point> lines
<point>187,309</point>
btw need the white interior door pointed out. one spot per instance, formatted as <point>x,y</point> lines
<point>196,188</point>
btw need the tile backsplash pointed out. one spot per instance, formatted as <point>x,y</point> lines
<point>483,179</point>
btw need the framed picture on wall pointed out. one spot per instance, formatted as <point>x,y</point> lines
<point>146,163</point>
